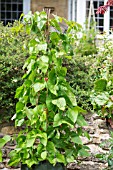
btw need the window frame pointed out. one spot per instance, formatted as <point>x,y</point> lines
<point>81,14</point>
<point>26,8</point>
<point>72,10</point>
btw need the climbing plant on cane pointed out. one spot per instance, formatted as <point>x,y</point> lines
<point>47,109</point>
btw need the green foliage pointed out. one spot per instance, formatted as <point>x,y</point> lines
<point>102,98</point>
<point>81,76</point>
<point>102,95</point>
<point>86,44</point>
<point>47,107</point>
<point>3,141</point>
<point>108,156</point>
<point>81,73</point>
<point>12,57</point>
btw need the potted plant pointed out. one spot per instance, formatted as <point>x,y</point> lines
<point>46,109</point>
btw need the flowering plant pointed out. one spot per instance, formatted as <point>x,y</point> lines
<point>103,9</point>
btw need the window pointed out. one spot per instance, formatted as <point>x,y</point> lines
<point>104,22</point>
<point>111,18</point>
<point>10,10</point>
<point>99,18</point>
<point>72,8</point>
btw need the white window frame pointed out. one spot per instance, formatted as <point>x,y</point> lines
<point>106,19</point>
<point>26,6</point>
<point>81,14</point>
<point>72,10</point>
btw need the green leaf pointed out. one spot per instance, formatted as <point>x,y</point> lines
<point>43,66</point>
<point>100,85</point>
<point>80,110</point>
<point>43,116</point>
<point>60,103</point>
<point>42,46</point>
<point>63,71</point>
<point>110,162</point>
<point>52,77</point>
<point>31,162</point>
<point>44,155</point>
<point>86,134</point>
<point>55,24</point>
<point>41,23</point>
<point>30,142</point>
<point>45,58</point>
<point>111,134</point>
<point>101,99</point>
<point>49,104</point>
<point>81,121</point>
<point>66,121</point>
<point>43,139</point>
<point>26,154</point>
<point>50,147</point>
<point>72,114</point>
<point>43,15</point>
<point>7,138</point>
<point>19,107</point>
<point>53,88</point>
<point>39,148</point>
<point>19,122</point>
<point>57,136</point>
<point>77,140</point>
<point>29,113</point>
<point>30,66</point>
<point>2,142</point>
<point>38,86</point>
<point>58,18</point>
<point>14,161</point>
<point>52,160</point>
<point>72,98</point>
<point>70,159</point>
<point>57,120</point>
<point>82,152</point>
<point>54,36</point>
<point>100,156</point>
<point>60,158</point>
<point>19,92</point>
<point>51,134</point>
<point>0,155</point>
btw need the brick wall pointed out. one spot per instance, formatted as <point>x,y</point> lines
<point>61,6</point>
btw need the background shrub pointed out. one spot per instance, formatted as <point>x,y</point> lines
<point>102,95</point>
<point>83,69</point>
<point>12,57</point>
<point>81,77</point>
<point>81,72</point>
<point>86,42</point>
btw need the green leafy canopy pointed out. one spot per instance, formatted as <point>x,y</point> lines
<point>46,104</point>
